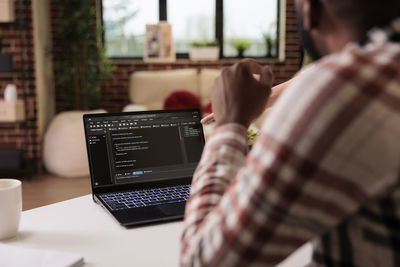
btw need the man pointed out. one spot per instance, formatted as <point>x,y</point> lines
<point>326,165</point>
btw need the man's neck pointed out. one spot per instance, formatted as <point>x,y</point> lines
<point>338,35</point>
<point>338,40</point>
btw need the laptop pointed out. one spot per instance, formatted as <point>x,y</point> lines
<point>141,163</point>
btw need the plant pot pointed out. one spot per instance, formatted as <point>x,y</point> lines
<point>268,47</point>
<point>204,53</point>
<point>241,53</point>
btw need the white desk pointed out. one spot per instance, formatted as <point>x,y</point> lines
<point>79,225</point>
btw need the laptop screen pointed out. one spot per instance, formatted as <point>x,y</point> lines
<point>138,147</point>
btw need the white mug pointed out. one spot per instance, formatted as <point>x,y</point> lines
<point>10,207</point>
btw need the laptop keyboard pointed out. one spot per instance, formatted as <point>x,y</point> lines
<point>146,197</point>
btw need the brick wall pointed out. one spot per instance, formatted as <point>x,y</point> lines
<point>115,92</point>
<point>14,134</point>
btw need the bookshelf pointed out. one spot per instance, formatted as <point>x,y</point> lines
<point>16,161</point>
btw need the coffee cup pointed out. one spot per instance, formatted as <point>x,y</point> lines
<point>10,207</point>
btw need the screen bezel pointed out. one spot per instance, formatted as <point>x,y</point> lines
<point>141,185</point>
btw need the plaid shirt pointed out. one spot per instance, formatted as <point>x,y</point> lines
<point>325,168</point>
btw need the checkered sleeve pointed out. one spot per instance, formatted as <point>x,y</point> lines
<point>321,155</point>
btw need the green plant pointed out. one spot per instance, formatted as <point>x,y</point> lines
<point>241,44</point>
<point>270,41</point>
<point>251,137</point>
<point>80,63</point>
<point>270,36</point>
<point>204,43</point>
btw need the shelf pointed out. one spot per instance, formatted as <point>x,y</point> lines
<point>24,72</point>
<point>15,71</point>
<point>9,73</point>
<point>25,172</point>
<point>17,22</point>
<point>12,122</point>
<point>15,164</point>
<point>8,23</point>
<point>26,121</point>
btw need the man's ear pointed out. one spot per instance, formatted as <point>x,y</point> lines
<point>312,10</point>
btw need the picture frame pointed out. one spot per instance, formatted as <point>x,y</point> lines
<point>7,13</point>
<point>159,45</point>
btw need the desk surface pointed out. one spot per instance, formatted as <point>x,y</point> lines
<point>81,226</point>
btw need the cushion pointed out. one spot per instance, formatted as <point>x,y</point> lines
<point>182,99</point>
<point>151,88</point>
<point>134,107</point>
<point>206,81</point>
<point>207,109</point>
<point>64,147</point>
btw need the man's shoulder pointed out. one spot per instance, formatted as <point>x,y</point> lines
<point>339,83</point>
<point>354,66</point>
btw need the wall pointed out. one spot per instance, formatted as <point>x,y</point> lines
<point>43,64</point>
<point>13,134</point>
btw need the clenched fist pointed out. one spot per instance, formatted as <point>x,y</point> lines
<point>237,97</point>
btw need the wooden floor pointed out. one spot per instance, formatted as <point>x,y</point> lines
<point>45,189</point>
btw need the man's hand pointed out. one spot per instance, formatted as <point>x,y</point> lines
<point>237,97</point>
<point>276,91</point>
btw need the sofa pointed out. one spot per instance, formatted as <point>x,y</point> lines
<point>149,89</point>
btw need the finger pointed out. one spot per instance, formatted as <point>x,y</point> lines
<point>266,76</point>
<point>207,119</point>
<point>250,66</point>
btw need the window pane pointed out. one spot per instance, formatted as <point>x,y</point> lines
<point>191,21</point>
<point>250,20</point>
<point>124,25</point>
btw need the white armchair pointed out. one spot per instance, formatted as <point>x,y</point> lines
<point>149,89</point>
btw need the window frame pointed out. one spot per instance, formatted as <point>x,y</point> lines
<point>219,33</point>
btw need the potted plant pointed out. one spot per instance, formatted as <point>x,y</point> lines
<point>270,43</point>
<point>204,50</point>
<point>241,45</point>
<point>80,66</point>
<point>80,63</point>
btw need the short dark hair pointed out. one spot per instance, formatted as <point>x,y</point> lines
<point>362,15</point>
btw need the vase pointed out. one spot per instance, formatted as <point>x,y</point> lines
<point>240,53</point>
<point>204,53</point>
<point>268,47</point>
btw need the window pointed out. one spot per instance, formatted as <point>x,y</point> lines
<point>123,23</point>
<point>196,23</point>
<point>255,21</point>
<point>260,30</point>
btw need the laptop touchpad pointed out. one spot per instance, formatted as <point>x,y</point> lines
<point>173,209</point>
